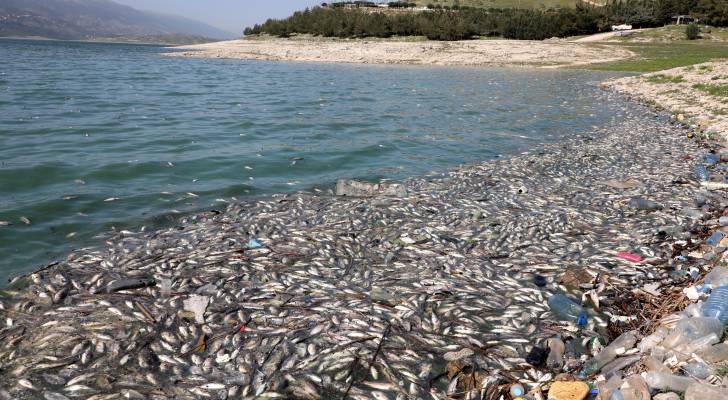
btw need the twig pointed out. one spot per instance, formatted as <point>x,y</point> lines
<point>371,362</point>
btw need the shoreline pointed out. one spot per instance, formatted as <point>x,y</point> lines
<point>694,94</point>
<point>445,273</point>
<point>96,41</point>
<point>482,53</point>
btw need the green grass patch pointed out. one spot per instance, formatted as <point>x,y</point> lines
<point>713,90</point>
<point>651,57</point>
<point>659,79</point>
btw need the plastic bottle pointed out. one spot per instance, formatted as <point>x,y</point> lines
<point>715,354</point>
<point>619,364</point>
<point>701,173</point>
<point>717,277</point>
<point>653,340</point>
<point>555,359</point>
<point>714,239</point>
<point>616,395</point>
<point>689,329</point>
<point>608,387</point>
<point>717,304</point>
<point>704,391</point>
<point>698,370</point>
<point>624,342</point>
<point>655,365</point>
<point>662,381</point>
<point>694,310</point>
<point>567,310</point>
<point>686,349</point>
<point>711,159</point>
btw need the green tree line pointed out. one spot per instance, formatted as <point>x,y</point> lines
<point>465,23</point>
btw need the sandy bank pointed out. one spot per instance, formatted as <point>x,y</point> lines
<point>465,53</point>
<point>697,91</point>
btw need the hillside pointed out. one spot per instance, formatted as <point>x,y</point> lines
<point>506,3</point>
<point>98,19</point>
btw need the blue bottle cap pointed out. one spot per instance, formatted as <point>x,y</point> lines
<point>581,320</point>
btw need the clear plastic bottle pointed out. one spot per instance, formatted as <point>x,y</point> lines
<point>704,391</point>
<point>696,345</point>
<point>689,329</point>
<point>567,310</point>
<point>555,359</point>
<point>619,364</point>
<point>649,342</point>
<point>717,277</point>
<point>662,381</point>
<point>698,370</point>
<point>715,354</point>
<point>717,304</point>
<point>624,342</point>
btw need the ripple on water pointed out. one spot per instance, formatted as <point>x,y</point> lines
<point>149,130</point>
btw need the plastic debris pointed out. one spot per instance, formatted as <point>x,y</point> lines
<point>254,244</point>
<point>197,305</point>
<point>555,358</point>
<point>629,256</point>
<point>567,310</point>
<point>714,239</point>
<point>624,342</point>
<point>701,173</point>
<point>663,381</point>
<point>717,305</point>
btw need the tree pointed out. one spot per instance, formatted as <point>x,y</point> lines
<point>692,32</point>
<point>713,12</point>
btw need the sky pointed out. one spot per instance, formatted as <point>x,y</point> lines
<point>229,15</point>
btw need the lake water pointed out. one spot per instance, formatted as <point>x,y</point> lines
<point>102,136</point>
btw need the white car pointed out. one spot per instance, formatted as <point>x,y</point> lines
<point>622,27</point>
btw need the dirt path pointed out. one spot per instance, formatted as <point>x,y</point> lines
<point>599,37</point>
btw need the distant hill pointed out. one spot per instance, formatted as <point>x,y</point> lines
<point>507,3</point>
<point>99,20</point>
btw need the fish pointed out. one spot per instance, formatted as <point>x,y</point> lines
<point>292,280</point>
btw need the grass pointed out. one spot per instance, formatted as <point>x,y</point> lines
<point>713,90</point>
<point>657,56</point>
<point>502,3</point>
<point>659,79</point>
<point>671,33</point>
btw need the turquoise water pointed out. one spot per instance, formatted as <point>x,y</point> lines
<point>101,136</point>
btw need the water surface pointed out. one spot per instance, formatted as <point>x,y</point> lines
<point>95,136</point>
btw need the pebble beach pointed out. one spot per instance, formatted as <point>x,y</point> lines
<point>437,292</point>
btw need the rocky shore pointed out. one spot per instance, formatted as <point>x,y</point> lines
<point>442,289</point>
<point>377,51</point>
<point>696,91</point>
